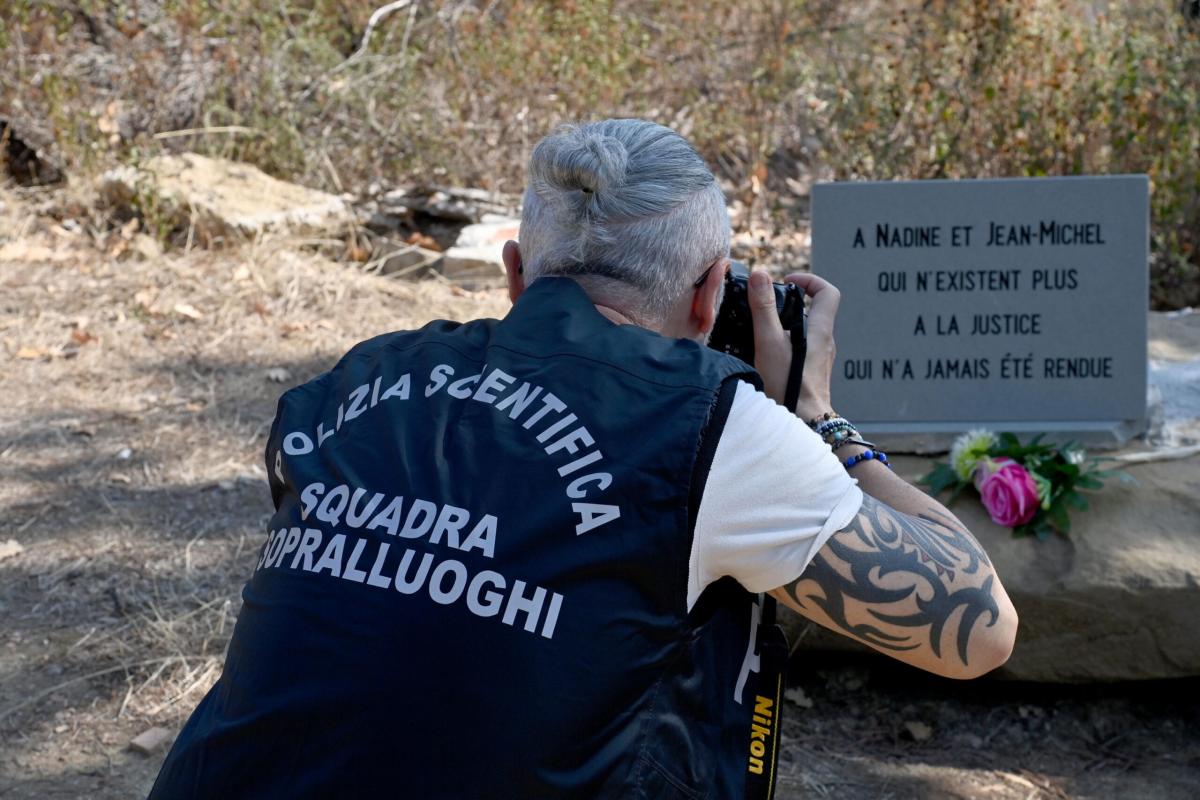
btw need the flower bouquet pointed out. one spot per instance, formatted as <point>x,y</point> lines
<point>1029,488</point>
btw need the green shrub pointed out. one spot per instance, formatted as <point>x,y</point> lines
<point>1016,87</point>
<point>456,92</point>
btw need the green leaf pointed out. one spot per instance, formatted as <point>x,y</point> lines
<point>1059,517</point>
<point>940,478</point>
<point>1041,527</point>
<point>1078,501</point>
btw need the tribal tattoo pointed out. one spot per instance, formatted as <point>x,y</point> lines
<point>926,553</point>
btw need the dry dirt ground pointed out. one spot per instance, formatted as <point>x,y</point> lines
<point>137,397</point>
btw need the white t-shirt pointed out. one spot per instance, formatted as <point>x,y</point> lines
<point>774,495</point>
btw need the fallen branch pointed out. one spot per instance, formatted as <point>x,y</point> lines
<point>372,23</point>
<point>375,19</point>
<point>203,131</point>
<point>1167,454</point>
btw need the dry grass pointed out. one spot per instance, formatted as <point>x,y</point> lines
<point>138,394</point>
<point>137,398</point>
<point>773,92</point>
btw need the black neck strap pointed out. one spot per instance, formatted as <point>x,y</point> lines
<point>799,347</point>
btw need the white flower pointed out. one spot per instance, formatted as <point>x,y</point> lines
<point>968,450</point>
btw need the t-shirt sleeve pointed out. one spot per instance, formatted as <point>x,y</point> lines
<point>774,494</point>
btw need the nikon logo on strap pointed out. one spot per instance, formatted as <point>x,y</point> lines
<point>763,747</point>
<point>763,734</point>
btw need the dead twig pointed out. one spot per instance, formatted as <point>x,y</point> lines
<point>375,19</point>
<point>1167,454</point>
<point>225,129</point>
<point>42,695</point>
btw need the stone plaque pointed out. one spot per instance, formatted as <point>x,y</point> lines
<point>1013,304</point>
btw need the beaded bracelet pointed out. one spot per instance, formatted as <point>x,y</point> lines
<point>836,437</point>
<point>830,424</point>
<point>828,415</point>
<point>867,455</point>
<point>840,435</point>
<point>838,432</point>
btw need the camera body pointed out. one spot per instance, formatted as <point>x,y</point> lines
<point>733,332</point>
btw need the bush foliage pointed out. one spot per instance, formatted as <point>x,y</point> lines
<point>456,91</point>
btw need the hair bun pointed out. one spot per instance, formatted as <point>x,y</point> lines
<point>579,160</point>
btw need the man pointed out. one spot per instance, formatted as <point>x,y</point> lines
<point>519,559</point>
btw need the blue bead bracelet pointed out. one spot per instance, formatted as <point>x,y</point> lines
<point>868,455</point>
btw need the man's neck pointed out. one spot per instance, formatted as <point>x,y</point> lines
<point>613,315</point>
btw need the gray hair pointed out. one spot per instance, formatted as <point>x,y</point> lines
<point>627,208</point>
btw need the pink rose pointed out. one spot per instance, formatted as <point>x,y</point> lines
<point>1008,491</point>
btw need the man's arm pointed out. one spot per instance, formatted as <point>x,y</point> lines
<point>905,576</point>
<point>917,587</point>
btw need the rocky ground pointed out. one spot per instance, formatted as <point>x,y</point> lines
<point>138,391</point>
<point>880,730</point>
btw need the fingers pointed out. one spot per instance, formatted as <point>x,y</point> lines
<point>821,350</point>
<point>772,348</point>
<point>762,304</point>
<point>825,300</point>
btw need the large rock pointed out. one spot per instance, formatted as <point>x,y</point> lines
<point>1115,601</point>
<point>446,203</point>
<point>27,155</point>
<point>1118,599</point>
<point>215,197</point>
<point>474,260</point>
<point>1175,376</point>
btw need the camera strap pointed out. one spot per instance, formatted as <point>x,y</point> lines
<point>799,347</point>
<point>766,721</point>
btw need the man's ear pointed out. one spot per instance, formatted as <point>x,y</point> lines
<point>704,299</point>
<point>513,269</point>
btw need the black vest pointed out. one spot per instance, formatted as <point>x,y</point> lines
<point>475,581</point>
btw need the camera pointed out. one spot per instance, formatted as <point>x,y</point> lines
<point>733,332</point>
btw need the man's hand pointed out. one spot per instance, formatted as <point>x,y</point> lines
<point>773,348</point>
<point>905,576</point>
